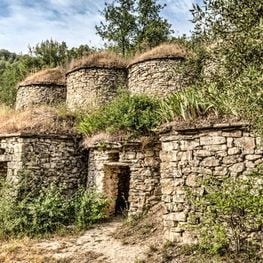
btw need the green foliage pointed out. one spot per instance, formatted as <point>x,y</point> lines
<point>136,114</point>
<point>131,25</point>
<point>151,29</point>
<point>235,27</point>
<point>187,104</point>
<point>89,208</point>
<point>120,24</point>
<point>229,212</point>
<point>48,211</point>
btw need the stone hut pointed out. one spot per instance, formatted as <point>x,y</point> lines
<point>190,153</point>
<point>46,87</point>
<point>157,72</point>
<point>128,173</point>
<point>43,159</point>
<point>95,80</point>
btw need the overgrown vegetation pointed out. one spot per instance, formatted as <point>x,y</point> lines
<point>135,114</point>
<point>230,212</point>
<point>48,211</point>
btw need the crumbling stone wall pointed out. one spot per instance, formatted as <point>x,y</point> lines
<point>92,87</point>
<point>189,154</point>
<point>31,95</point>
<point>156,77</point>
<point>45,159</point>
<point>143,163</point>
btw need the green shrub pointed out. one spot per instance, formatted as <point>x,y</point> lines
<point>137,114</point>
<point>48,211</point>
<point>229,212</point>
<point>89,208</point>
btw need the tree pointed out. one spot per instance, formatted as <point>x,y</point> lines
<point>133,24</point>
<point>151,28</point>
<point>236,28</point>
<point>119,25</point>
<point>50,53</point>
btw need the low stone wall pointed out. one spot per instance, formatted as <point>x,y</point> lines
<point>187,155</point>
<point>143,164</point>
<point>92,87</point>
<point>31,95</point>
<point>44,159</point>
<point>157,77</point>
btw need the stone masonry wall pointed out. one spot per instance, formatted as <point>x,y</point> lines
<point>158,77</point>
<point>188,155</point>
<point>92,87</point>
<point>11,153</point>
<point>45,159</point>
<point>144,172</point>
<point>40,94</point>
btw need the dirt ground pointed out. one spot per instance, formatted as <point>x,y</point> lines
<point>95,245</point>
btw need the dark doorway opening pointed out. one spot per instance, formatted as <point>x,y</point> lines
<point>122,201</point>
<point>116,187</point>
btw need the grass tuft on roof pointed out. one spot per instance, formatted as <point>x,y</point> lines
<point>103,59</point>
<point>165,50</point>
<point>46,77</point>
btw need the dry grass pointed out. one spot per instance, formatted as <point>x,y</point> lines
<point>41,120</point>
<point>162,51</point>
<point>47,77</point>
<point>100,59</point>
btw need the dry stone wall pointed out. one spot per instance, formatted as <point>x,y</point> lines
<point>157,77</point>
<point>31,95</point>
<point>187,155</point>
<point>44,159</point>
<point>92,87</point>
<point>143,164</point>
<point>11,156</point>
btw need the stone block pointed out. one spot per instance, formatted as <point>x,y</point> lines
<point>216,147</point>
<point>234,150</point>
<point>215,140</point>
<point>210,162</point>
<point>253,157</point>
<point>189,144</point>
<point>237,168</point>
<point>247,144</point>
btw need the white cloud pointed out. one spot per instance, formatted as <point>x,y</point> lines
<point>30,22</point>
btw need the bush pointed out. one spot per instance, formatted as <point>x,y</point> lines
<point>230,211</point>
<point>137,114</point>
<point>89,208</point>
<point>48,212</point>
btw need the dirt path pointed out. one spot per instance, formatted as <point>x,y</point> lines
<point>95,245</point>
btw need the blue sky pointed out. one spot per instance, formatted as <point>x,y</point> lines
<point>24,22</point>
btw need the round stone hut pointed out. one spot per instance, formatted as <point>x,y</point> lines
<point>157,72</point>
<point>46,87</point>
<point>94,80</point>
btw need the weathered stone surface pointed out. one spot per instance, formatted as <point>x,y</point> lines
<point>234,150</point>
<point>223,151</point>
<point>207,140</point>
<point>158,77</point>
<point>144,165</point>
<point>92,87</point>
<point>210,161</point>
<point>28,96</point>
<point>246,143</point>
<point>45,159</point>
